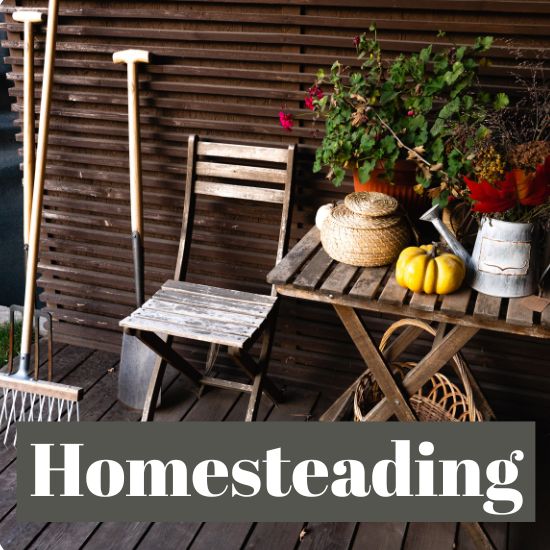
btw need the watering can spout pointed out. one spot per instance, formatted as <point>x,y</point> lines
<point>433,215</point>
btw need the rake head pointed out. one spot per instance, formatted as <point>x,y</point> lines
<point>35,401</point>
<point>23,399</point>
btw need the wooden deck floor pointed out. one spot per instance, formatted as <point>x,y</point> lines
<point>96,372</point>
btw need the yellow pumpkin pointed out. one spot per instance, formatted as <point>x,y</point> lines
<point>423,269</point>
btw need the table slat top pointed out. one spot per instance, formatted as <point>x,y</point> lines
<point>307,272</point>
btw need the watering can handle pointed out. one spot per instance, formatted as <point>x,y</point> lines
<point>542,277</point>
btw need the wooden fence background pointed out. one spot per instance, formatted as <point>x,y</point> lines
<point>225,68</point>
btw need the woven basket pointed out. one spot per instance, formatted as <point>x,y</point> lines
<point>440,400</point>
<point>366,231</point>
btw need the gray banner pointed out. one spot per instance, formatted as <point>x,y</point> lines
<point>276,472</point>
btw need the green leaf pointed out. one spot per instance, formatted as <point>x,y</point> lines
<point>482,132</point>
<point>452,76</point>
<point>467,102</point>
<point>366,169</point>
<point>387,143</point>
<point>423,181</point>
<point>460,53</point>
<point>367,143</point>
<point>450,109</point>
<point>501,101</point>
<point>437,127</point>
<point>442,200</point>
<point>438,148</point>
<point>425,54</point>
<point>339,175</point>
<point>317,167</point>
<point>483,43</point>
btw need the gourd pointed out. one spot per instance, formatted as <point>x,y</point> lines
<point>424,269</point>
<point>323,213</point>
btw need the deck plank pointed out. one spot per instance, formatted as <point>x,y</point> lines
<point>328,535</point>
<point>297,407</point>
<point>274,536</point>
<point>498,533</point>
<point>379,536</point>
<point>430,536</point>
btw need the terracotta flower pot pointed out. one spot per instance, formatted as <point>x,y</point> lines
<point>402,187</point>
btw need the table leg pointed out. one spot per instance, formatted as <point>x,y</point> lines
<point>377,365</point>
<point>453,342</point>
<point>445,347</point>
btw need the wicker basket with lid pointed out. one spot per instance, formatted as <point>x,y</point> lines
<point>366,231</point>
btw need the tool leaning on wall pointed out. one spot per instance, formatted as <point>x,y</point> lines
<point>25,398</point>
<point>136,360</point>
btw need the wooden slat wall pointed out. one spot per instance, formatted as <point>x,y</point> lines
<point>224,68</point>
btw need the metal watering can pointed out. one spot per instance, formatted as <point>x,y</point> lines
<point>503,262</point>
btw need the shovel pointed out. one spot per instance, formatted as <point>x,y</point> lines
<point>137,360</point>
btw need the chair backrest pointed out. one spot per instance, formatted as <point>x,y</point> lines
<point>244,172</point>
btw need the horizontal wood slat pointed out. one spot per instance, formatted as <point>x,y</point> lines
<point>243,192</point>
<point>225,69</point>
<point>234,171</point>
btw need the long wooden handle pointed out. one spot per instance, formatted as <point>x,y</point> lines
<point>134,135</point>
<point>38,188</point>
<point>131,58</point>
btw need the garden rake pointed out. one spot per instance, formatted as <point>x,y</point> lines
<point>29,19</point>
<point>24,397</point>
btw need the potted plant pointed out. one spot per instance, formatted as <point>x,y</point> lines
<point>509,194</point>
<point>395,124</point>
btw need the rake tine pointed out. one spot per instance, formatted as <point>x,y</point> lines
<point>50,346</point>
<point>36,345</point>
<point>12,410</point>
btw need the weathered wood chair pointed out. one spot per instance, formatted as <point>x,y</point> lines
<point>218,316</point>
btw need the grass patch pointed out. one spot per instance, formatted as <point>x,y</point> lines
<point>5,341</point>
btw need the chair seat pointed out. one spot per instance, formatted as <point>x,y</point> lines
<point>205,313</point>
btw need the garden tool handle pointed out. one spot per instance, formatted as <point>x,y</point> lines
<point>28,18</point>
<point>38,189</point>
<point>131,58</point>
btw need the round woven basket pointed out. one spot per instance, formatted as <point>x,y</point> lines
<point>440,400</point>
<point>366,231</point>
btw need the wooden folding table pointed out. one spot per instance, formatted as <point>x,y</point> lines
<point>307,272</point>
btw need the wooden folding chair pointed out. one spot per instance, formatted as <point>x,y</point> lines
<point>220,317</point>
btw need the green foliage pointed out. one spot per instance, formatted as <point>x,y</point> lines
<point>414,107</point>
<point>5,340</point>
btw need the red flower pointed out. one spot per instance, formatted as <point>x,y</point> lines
<point>534,189</point>
<point>316,91</point>
<point>287,120</point>
<point>489,199</point>
<point>527,189</point>
<point>356,41</point>
<point>313,93</point>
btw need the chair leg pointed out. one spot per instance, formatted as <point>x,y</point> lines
<point>153,392</point>
<point>255,397</point>
<point>247,363</point>
<point>213,352</point>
